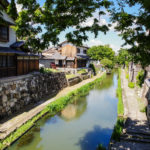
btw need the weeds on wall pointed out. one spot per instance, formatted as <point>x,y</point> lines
<point>131,85</point>
<point>52,108</point>
<point>118,129</point>
<point>140,78</point>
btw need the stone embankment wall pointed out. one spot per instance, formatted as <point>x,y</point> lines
<point>133,71</point>
<point>79,78</point>
<point>18,92</point>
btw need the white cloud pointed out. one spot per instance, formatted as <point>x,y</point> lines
<point>90,21</point>
<point>94,42</point>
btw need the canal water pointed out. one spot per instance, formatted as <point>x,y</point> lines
<point>82,125</point>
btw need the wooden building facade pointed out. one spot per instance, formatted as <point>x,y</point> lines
<point>14,63</point>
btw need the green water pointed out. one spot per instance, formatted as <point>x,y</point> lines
<point>82,125</point>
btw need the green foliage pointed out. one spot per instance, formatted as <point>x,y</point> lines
<point>127,76</point>
<point>55,17</point>
<point>119,95</point>
<point>47,70</point>
<point>131,85</point>
<point>140,78</point>
<point>118,129</point>
<point>51,108</point>
<point>142,106</point>
<point>101,147</point>
<point>107,63</point>
<point>124,57</point>
<point>101,52</point>
<point>68,76</point>
<point>82,71</point>
<point>133,27</point>
<point>92,66</point>
<point>12,10</point>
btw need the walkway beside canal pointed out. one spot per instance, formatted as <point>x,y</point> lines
<point>11,125</point>
<point>136,133</point>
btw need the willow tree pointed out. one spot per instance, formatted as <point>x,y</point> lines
<point>42,25</point>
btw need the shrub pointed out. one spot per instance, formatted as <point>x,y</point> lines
<point>131,85</point>
<point>92,66</point>
<point>118,129</point>
<point>140,78</point>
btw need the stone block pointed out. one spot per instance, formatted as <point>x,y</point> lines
<point>4,98</point>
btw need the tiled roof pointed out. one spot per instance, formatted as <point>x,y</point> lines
<point>70,58</point>
<point>17,44</point>
<point>9,50</point>
<point>82,57</point>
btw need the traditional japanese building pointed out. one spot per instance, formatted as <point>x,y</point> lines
<point>14,59</point>
<point>66,56</point>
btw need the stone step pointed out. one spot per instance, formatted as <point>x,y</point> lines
<point>139,132</point>
<point>137,140</point>
<point>138,136</point>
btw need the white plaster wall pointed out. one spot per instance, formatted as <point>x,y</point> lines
<point>12,34</point>
<point>81,51</point>
<point>12,38</point>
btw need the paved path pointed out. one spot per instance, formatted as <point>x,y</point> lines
<point>136,133</point>
<point>12,124</point>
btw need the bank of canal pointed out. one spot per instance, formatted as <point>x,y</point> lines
<point>82,125</point>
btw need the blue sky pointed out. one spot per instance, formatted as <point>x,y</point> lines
<point>112,38</point>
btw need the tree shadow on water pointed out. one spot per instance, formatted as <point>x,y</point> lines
<point>93,138</point>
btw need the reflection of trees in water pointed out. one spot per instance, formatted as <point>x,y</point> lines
<point>75,109</point>
<point>93,138</point>
<point>28,138</point>
<point>106,83</point>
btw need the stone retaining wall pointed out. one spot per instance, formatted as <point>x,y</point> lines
<point>79,78</point>
<point>17,93</point>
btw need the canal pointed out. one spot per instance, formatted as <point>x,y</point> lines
<point>82,125</point>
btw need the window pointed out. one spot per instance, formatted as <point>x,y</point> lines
<point>78,50</point>
<point>7,61</point>
<point>84,51</point>
<point>4,33</point>
<point>10,61</point>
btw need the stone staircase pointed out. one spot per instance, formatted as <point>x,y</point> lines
<point>134,137</point>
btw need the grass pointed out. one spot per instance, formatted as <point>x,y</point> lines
<point>118,129</point>
<point>82,71</point>
<point>120,109</point>
<point>131,85</point>
<point>48,70</point>
<point>119,95</point>
<point>52,108</point>
<point>68,76</point>
<point>126,73</point>
<point>142,106</point>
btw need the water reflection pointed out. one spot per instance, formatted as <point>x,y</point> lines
<point>74,110</point>
<point>91,139</point>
